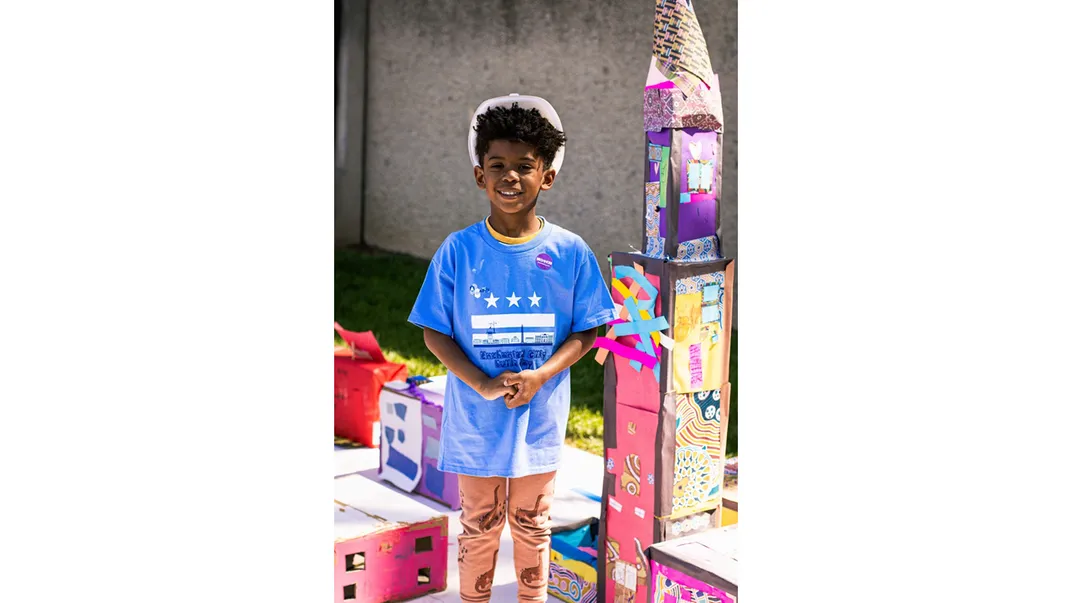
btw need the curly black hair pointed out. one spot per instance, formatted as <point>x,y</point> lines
<point>515,123</point>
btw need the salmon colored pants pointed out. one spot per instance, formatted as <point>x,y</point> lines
<point>487,504</point>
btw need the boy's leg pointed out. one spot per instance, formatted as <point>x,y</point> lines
<point>483,517</point>
<point>530,526</point>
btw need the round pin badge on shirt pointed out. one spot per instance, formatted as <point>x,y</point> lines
<point>543,261</point>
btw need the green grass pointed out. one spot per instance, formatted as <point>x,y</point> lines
<point>375,291</point>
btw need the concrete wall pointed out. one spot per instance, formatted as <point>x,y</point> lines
<point>432,62</point>
<point>349,120</point>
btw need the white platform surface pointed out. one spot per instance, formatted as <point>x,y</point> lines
<point>581,473</point>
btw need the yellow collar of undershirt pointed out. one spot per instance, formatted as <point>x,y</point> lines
<point>511,240</point>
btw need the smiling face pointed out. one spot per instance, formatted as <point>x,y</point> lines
<point>513,176</point>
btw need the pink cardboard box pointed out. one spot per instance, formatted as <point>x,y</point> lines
<point>701,567</point>
<point>408,408</point>
<point>360,372</point>
<point>387,547</point>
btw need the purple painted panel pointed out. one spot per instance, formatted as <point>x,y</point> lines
<point>698,145</point>
<point>695,220</point>
<point>434,483</point>
<point>662,137</point>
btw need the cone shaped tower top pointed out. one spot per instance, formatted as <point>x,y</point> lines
<point>681,89</point>
<point>679,51</point>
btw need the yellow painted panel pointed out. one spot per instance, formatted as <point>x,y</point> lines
<point>729,517</point>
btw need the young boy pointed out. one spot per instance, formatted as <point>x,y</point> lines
<point>508,305</point>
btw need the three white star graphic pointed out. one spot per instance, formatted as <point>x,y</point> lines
<point>493,302</point>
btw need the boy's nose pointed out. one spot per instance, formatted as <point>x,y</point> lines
<point>511,176</point>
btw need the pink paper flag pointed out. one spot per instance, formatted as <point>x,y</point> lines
<point>626,352</point>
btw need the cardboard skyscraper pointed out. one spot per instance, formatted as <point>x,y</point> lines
<point>666,357</point>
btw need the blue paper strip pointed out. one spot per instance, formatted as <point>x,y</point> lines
<point>621,272</point>
<point>638,327</point>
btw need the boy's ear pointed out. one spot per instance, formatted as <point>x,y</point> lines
<point>548,179</point>
<point>478,173</point>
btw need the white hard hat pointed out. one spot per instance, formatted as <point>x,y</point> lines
<point>525,102</point>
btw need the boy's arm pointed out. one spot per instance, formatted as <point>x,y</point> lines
<point>447,351</point>
<point>529,382</point>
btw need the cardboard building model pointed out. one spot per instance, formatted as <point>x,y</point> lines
<point>361,370</point>
<point>683,154</point>
<point>574,561</point>
<point>387,546</point>
<point>411,415</point>
<point>666,356</point>
<point>575,541</point>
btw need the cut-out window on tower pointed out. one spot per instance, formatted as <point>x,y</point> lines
<point>424,575</point>
<point>711,309</point>
<point>349,592</point>
<point>355,562</point>
<point>423,544</point>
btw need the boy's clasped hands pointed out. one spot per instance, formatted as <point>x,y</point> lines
<point>517,389</point>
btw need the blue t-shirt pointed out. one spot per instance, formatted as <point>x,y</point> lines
<point>509,308</point>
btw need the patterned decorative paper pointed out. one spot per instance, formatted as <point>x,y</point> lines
<point>573,576</point>
<point>679,46</point>
<point>631,475</point>
<point>695,284</point>
<point>564,584</point>
<point>655,243</point>
<point>697,250</point>
<point>672,586</point>
<point>689,524</point>
<point>654,152</point>
<point>670,108</point>
<point>696,359</point>
<point>697,463</point>
<point>694,474</point>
